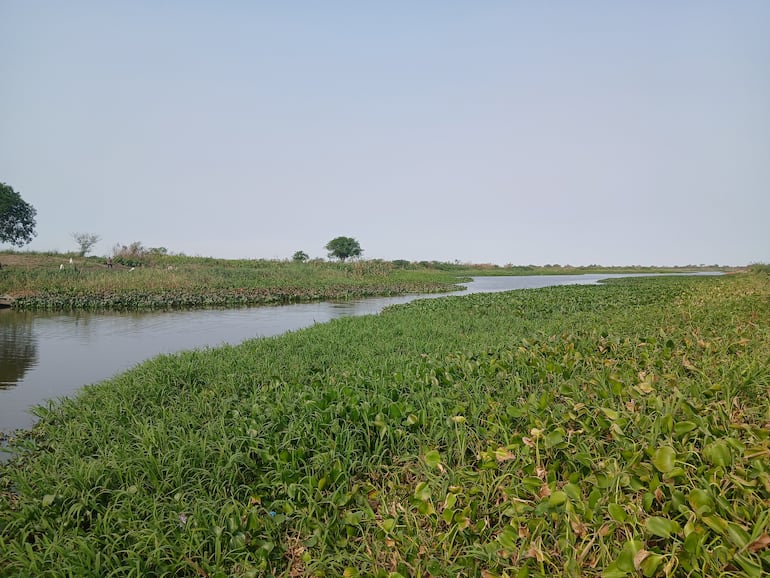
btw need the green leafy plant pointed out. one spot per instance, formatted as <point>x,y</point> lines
<point>615,430</point>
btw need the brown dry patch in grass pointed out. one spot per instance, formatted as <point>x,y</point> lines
<point>44,261</point>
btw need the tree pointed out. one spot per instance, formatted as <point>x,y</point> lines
<point>300,257</point>
<point>343,247</point>
<point>86,241</point>
<point>17,217</point>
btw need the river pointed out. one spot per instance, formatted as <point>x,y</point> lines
<point>45,356</point>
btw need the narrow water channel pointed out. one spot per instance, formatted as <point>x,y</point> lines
<point>45,356</point>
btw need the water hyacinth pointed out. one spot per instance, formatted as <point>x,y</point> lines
<point>39,282</point>
<point>616,430</point>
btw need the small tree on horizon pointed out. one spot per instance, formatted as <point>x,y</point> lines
<point>86,241</point>
<point>343,247</point>
<point>300,257</point>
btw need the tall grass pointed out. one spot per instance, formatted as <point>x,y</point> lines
<point>579,431</point>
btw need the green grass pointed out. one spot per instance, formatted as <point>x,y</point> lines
<point>608,430</point>
<point>49,281</point>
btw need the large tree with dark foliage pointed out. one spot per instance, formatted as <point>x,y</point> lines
<point>343,247</point>
<point>17,217</point>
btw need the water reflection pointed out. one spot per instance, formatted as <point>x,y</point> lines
<point>18,348</point>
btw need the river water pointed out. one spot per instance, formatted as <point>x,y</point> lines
<point>44,356</point>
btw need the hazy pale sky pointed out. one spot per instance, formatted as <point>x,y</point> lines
<point>633,132</point>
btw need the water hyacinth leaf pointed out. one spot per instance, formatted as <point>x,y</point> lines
<point>412,419</point>
<point>625,561</point>
<point>692,543</point>
<point>422,492</point>
<point>507,538</point>
<point>426,508</point>
<point>663,459</point>
<point>683,427</point>
<point>666,423</point>
<point>612,571</point>
<point>700,501</point>
<point>716,523</point>
<point>557,498</point>
<point>593,498</point>
<point>737,535</point>
<point>661,527</point>
<point>554,438</point>
<point>433,458</point>
<point>649,566</point>
<point>718,453</point>
<point>617,512</point>
<point>610,413</point>
<point>573,491</point>
<point>749,566</point>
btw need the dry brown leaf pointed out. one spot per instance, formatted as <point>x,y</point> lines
<point>536,553</point>
<point>760,543</point>
<point>641,555</point>
<point>578,527</point>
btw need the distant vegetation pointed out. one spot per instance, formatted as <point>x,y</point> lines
<point>151,278</point>
<point>617,430</point>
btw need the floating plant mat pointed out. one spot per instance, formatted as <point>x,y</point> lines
<point>610,430</point>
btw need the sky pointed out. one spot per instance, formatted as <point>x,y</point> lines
<point>506,132</point>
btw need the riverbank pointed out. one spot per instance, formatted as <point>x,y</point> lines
<point>581,430</point>
<point>62,282</point>
<point>66,282</point>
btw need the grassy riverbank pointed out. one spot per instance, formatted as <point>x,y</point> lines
<point>40,281</point>
<point>159,281</point>
<point>580,431</point>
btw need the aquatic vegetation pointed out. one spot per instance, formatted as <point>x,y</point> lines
<point>613,430</point>
<point>46,283</point>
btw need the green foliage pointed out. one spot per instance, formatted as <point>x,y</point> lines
<point>300,257</point>
<point>614,430</point>
<point>148,279</point>
<point>343,247</point>
<point>17,217</point>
